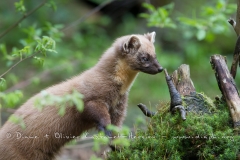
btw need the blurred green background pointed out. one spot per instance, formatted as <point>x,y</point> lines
<point>188,32</point>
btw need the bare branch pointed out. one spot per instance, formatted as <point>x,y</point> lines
<point>236,57</point>
<point>236,24</point>
<point>236,27</point>
<point>21,19</point>
<point>145,110</point>
<point>232,22</point>
<point>18,63</point>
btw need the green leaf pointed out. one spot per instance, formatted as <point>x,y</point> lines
<point>113,128</point>
<point>95,158</point>
<point>11,99</point>
<point>221,4</point>
<point>39,60</point>
<point>144,15</point>
<point>78,103</point>
<point>188,21</point>
<point>24,51</point>
<point>52,5</point>
<point>201,34</point>
<point>121,142</point>
<point>46,44</point>
<point>2,82</point>
<point>159,17</point>
<point>19,6</point>
<point>208,11</point>
<point>62,110</point>
<point>99,139</point>
<point>17,120</point>
<point>163,13</point>
<point>149,7</point>
<point>68,100</point>
<point>3,49</point>
<point>125,130</point>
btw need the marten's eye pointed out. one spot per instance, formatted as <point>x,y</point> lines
<point>145,59</point>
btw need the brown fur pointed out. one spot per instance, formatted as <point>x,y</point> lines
<point>105,88</point>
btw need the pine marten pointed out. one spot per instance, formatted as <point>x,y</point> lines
<point>105,88</point>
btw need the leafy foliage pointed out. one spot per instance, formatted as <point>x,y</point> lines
<point>11,99</point>
<point>207,136</point>
<point>159,17</point>
<point>118,139</point>
<point>210,20</point>
<point>17,120</point>
<point>20,6</point>
<point>73,99</point>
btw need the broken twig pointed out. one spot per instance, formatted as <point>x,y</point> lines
<point>145,110</point>
<point>176,100</point>
<point>235,58</point>
<point>236,27</point>
<point>182,111</point>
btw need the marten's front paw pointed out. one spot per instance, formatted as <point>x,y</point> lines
<point>107,132</point>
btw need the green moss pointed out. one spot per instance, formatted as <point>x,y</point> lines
<point>201,136</point>
<point>198,103</point>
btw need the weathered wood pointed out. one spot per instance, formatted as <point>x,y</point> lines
<point>227,86</point>
<point>182,81</point>
<point>145,110</point>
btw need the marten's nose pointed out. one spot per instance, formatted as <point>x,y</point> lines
<point>160,69</point>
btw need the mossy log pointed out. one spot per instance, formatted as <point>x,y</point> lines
<point>227,86</point>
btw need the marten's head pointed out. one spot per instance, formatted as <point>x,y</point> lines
<point>139,52</point>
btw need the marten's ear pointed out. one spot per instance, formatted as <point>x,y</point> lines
<point>132,45</point>
<point>151,36</point>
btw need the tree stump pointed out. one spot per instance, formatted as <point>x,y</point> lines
<point>194,102</point>
<point>227,86</point>
<point>182,81</point>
